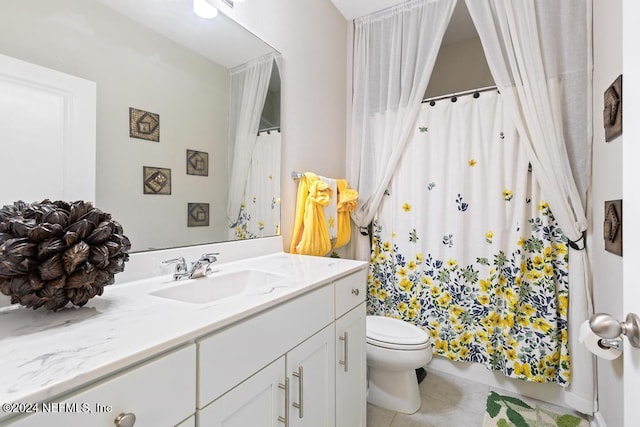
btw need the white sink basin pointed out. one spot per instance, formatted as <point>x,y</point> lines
<point>217,286</point>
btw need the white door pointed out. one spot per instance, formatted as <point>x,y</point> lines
<point>351,381</point>
<point>258,401</point>
<point>47,134</point>
<point>631,200</point>
<point>312,381</point>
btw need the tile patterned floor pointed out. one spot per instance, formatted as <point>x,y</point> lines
<point>447,401</point>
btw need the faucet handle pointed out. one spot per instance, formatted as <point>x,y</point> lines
<point>181,264</point>
<point>210,257</point>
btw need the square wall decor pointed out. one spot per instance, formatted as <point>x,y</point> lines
<point>612,113</point>
<point>156,180</point>
<point>144,125</point>
<point>197,163</point>
<point>198,215</point>
<point>612,226</point>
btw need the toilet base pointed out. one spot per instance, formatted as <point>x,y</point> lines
<point>393,390</point>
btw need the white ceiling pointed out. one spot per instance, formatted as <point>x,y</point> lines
<point>220,39</point>
<point>460,27</point>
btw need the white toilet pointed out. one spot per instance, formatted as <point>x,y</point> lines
<point>395,349</point>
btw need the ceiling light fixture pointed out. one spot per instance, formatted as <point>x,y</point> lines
<point>204,9</point>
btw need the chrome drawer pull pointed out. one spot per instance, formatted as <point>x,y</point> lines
<point>285,387</point>
<point>125,420</point>
<point>355,291</point>
<point>300,406</point>
<point>345,362</point>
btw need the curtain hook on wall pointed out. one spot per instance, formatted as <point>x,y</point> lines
<point>574,244</point>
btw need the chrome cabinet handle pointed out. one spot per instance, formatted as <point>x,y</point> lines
<point>345,362</point>
<point>300,406</point>
<point>355,291</point>
<point>285,387</point>
<point>125,420</point>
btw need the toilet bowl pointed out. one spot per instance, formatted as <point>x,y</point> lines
<point>395,349</point>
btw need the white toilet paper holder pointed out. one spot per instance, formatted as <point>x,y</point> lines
<point>606,326</point>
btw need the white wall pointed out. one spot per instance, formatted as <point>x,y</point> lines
<point>460,66</point>
<point>607,185</point>
<point>135,67</point>
<point>311,35</point>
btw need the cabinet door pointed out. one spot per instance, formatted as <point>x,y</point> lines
<point>351,368</point>
<point>311,372</point>
<point>258,401</point>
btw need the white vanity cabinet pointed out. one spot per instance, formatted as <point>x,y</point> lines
<point>258,401</point>
<point>298,363</point>
<point>351,368</point>
<point>295,390</point>
<point>160,392</point>
<point>350,356</point>
<point>310,369</point>
<point>283,367</point>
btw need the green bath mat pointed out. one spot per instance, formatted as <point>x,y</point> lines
<point>508,411</point>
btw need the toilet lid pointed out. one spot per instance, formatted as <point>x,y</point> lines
<point>381,329</point>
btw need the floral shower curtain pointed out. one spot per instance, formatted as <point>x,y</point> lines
<point>260,207</point>
<point>465,245</point>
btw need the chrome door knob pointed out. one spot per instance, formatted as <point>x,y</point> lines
<point>355,291</point>
<point>606,326</point>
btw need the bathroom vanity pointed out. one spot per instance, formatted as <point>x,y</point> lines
<point>288,353</point>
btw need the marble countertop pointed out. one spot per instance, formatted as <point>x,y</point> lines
<point>45,354</point>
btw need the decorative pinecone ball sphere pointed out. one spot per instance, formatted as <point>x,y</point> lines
<point>53,253</point>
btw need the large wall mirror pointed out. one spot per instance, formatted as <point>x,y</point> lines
<point>187,114</point>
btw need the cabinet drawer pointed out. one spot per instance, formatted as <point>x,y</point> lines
<point>350,291</point>
<point>228,357</point>
<point>160,392</point>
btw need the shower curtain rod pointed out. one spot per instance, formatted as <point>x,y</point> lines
<point>268,130</point>
<point>454,96</point>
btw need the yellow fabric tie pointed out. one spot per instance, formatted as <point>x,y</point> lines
<point>347,203</point>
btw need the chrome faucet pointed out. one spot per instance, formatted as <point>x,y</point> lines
<point>181,267</point>
<point>198,268</point>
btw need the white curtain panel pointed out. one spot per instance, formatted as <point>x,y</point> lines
<point>249,85</point>
<point>260,208</point>
<point>394,54</point>
<point>538,52</point>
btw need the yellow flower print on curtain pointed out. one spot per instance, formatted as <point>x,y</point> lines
<point>510,319</point>
<point>465,246</point>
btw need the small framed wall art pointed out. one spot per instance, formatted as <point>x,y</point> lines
<point>156,180</point>
<point>612,113</point>
<point>612,226</point>
<point>197,163</point>
<point>144,125</point>
<point>198,215</point>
